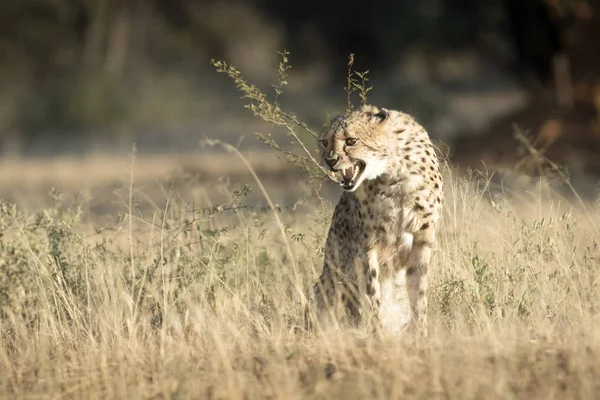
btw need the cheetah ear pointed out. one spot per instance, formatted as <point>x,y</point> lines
<point>336,118</point>
<point>381,116</point>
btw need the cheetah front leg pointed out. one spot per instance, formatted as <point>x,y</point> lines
<point>416,282</point>
<point>324,292</point>
<point>336,299</point>
<point>374,288</point>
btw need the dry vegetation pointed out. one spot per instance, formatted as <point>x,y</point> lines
<point>183,296</point>
<point>195,299</point>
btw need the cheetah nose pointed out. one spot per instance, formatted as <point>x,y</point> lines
<point>331,161</point>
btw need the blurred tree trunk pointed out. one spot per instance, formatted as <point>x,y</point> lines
<point>118,41</point>
<point>535,35</point>
<point>551,43</point>
<point>567,132</point>
<point>94,38</point>
<point>108,35</point>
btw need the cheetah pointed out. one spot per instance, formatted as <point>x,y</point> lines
<point>379,244</point>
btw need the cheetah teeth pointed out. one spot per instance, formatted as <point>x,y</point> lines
<point>349,173</point>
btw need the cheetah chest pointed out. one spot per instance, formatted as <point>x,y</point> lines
<point>385,220</point>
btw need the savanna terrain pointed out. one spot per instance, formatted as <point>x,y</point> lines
<point>182,271</point>
<point>175,277</point>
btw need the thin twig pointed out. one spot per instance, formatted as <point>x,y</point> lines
<point>349,77</point>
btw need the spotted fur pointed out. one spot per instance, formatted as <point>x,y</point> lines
<point>379,245</point>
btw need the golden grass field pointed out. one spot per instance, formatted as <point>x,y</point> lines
<point>162,277</point>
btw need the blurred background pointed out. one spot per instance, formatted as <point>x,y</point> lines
<point>85,78</point>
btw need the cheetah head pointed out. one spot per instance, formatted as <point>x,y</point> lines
<point>350,149</point>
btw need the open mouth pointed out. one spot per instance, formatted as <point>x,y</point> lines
<point>349,176</point>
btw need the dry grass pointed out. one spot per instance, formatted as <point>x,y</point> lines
<point>103,180</point>
<point>207,305</point>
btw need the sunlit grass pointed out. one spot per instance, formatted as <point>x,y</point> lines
<point>205,300</point>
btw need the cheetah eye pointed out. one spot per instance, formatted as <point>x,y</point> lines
<point>323,142</point>
<point>351,141</point>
